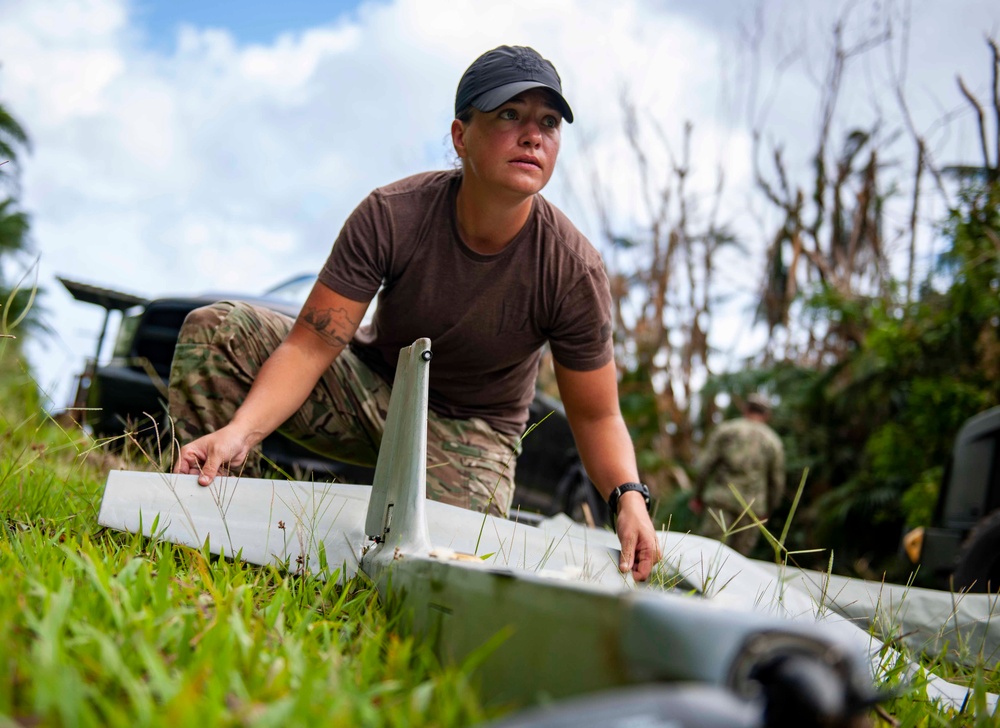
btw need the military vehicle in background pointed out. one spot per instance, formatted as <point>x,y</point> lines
<point>128,393</point>
<point>961,547</point>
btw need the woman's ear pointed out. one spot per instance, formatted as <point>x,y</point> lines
<point>458,138</point>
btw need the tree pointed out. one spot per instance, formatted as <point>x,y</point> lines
<point>16,298</point>
<point>874,371</point>
<point>661,265</point>
<point>829,240</point>
<point>876,424</point>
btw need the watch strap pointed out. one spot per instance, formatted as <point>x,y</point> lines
<point>621,490</point>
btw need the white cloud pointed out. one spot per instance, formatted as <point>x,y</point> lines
<point>218,165</point>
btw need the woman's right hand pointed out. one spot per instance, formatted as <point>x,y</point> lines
<point>216,453</point>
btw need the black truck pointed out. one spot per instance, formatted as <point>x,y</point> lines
<point>961,547</point>
<point>128,393</point>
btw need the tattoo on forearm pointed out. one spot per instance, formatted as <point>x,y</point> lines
<point>333,325</point>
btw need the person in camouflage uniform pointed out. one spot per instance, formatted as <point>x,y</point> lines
<point>474,259</point>
<point>746,454</point>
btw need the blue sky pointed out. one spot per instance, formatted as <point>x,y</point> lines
<point>183,147</point>
<point>250,21</point>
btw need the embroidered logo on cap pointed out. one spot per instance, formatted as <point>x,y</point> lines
<point>526,61</point>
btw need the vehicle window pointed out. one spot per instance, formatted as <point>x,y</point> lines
<point>126,333</point>
<point>294,291</point>
<point>297,291</point>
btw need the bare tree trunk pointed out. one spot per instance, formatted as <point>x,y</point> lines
<point>915,206</point>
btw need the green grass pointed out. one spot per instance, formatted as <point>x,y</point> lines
<point>106,628</point>
<point>99,627</point>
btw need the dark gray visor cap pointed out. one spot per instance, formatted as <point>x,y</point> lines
<point>502,73</point>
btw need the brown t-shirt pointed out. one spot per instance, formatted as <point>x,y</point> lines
<point>487,316</point>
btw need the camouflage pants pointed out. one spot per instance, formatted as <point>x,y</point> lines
<point>221,348</point>
<point>740,535</point>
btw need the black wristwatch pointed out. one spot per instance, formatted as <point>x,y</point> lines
<point>617,493</point>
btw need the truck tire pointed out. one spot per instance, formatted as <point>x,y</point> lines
<point>977,568</point>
